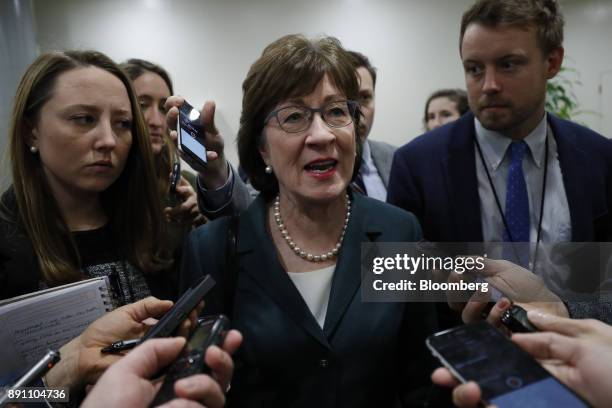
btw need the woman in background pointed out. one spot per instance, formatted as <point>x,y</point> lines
<point>83,202</point>
<point>444,106</point>
<point>153,86</point>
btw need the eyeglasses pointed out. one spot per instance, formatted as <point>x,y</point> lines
<point>297,118</point>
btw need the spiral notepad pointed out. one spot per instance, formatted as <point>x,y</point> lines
<point>34,323</point>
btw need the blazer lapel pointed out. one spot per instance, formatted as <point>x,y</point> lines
<point>574,168</point>
<point>259,259</point>
<point>347,277</point>
<point>459,168</point>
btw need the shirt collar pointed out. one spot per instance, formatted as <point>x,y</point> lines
<point>494,144</point>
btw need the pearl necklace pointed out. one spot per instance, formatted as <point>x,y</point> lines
<point>299,251</point>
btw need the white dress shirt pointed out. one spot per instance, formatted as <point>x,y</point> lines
<point>556,222</point>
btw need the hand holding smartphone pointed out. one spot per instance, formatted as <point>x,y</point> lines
<point>173,318</point>
<point>209,331</point>
<point>506,374</point>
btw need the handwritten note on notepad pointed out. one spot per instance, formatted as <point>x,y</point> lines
<point>32,324</point>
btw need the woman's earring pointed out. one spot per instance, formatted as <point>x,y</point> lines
<point>268,170</point>
<point>33,149</point>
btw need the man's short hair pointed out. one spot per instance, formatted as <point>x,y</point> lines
<point>361,60</point>
<point>544,15</point>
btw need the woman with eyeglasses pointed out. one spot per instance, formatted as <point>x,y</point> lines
<point>291,281</point>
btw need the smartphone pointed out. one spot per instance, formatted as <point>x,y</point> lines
<point>506,374</point>
<point>175,177</point>
<point>209,331</point>
<point>168,324</point>
<point>515,319</point>
<point>191,134</point>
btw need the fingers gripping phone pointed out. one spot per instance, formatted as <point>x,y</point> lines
<point>191,134</point>
<point>209,331</point>
<point>506,374</point>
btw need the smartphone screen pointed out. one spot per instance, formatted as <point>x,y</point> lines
<point>209,331</point>
<point>191,133</point>
<point>507,375</point>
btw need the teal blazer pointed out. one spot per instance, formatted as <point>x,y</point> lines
<point>367,354</point>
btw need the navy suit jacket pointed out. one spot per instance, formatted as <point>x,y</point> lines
<point>367,354</point>
<point>434,176</point>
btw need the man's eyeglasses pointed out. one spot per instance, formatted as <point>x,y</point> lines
<point>297,118</point>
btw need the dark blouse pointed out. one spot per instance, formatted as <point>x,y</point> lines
<point>100,256</point>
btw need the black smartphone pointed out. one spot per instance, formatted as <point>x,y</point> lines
<point>175,177</point>
<point>506,374</point>
<point>209,331</point>
<point>515,319</point>
<point>168,324</point>
<point>191,133</point>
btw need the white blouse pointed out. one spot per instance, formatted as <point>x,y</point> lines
<point>315,287</point>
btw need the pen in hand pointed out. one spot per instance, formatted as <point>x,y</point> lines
<point>121,345</point>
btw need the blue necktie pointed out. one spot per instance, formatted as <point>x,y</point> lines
<point>517,201</point>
